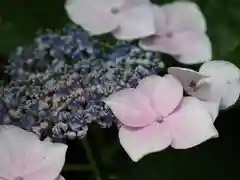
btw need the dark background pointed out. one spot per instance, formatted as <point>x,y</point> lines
<point>218,159</point>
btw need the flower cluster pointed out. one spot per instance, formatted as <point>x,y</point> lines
<point>178,28</point>
<point>154,114</point>
<point>56,84</point>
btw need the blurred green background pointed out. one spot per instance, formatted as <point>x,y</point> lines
<point>216,159</point>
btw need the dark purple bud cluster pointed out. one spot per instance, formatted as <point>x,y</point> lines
<point>57,84</point>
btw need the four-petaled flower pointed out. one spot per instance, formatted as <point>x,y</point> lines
<point>181,28</point>
<point>156,115</point>
<point>24,157</point>
<point>126,19</point>
<point>217,83</point>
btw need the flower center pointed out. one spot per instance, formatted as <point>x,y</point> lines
<point>193,85</point>
<point>115,10</point>
<point>169,34</point>
<point>160,120</point>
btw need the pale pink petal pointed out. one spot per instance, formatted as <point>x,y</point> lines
<point>196,48</point>
<point>131,108</point>
<point>229,74</point>
<point>46,164</point>
<point>187,47</point>
<point>142,141</point>
<point>160,20</point>
<point>164,93</point>
<point>188,77</point>
<point>24,155</point>
<point>191,124</point>
<point>151,43</point>
<point>184,15</point>
<point>14,143</point>
<point>212,108</point>
<point>93,16</point>
<point>136,22</point>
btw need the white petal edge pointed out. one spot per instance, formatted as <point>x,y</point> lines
<point>230,96</point>
<point>221,69</point>
<point>229,75</point>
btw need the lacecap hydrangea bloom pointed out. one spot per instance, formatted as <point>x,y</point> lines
<point>177,28</point>
<point>56,84</point>
<point>155,115</point>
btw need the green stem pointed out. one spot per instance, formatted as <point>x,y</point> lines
<point>91,159</point>
<point>77,167</point>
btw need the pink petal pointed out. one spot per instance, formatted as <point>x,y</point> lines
<point>190,125</point>
<point>164,93</point>
<point>135,23</point>
<point>229,74</point>
<point>188,77</point>
<point>14,143</point>
<point>49,163</point>
<point>184,15</point>
<point>131,108</point>
<point>41,160</point>
<point>160,20</point>
<point>140,142</point>
<point>189,47</point>
<point>93,16</point>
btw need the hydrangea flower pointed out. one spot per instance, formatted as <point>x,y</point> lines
<point>155,115</point>
<point>217,82</point>
<point>126,19</point>
<point>24,157</point>
<point>57,83</point>
<point>181,28</point>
